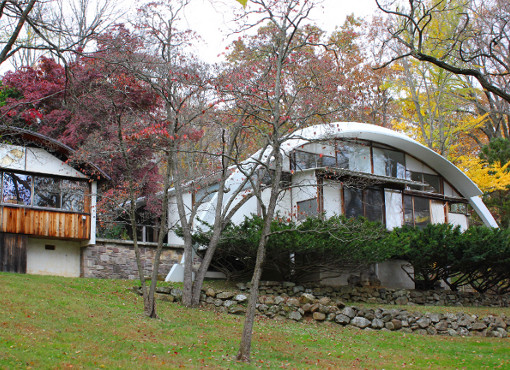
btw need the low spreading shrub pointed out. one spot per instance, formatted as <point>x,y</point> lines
<point>479,257</point>
<point>294,250</point>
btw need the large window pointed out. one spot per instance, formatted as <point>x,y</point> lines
<point>389,163</point>
<point>432,183</point>
<point>16,188</point>
<point>353,156</point>
<point>43,191</point>
<point>368,203</point>
<point>416,211</point>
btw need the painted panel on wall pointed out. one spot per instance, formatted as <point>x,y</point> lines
<point>35,160</point>
<point>53,257</point>
<point>412,164</point>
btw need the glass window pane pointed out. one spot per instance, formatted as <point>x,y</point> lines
<point>395,166</point>
<point>421,211</point>
<point>46,192</point>
<point>374,205</point>
<point>389,163</point>
<point>358,155</point>
<point>418,177</point>
<point>353,202</point>
<point>342,159</point>
<point>304,160</point>
<point>328,161</point>
<point>408,210</point>
<point>73,195</point>
<point>433,182</point>
<point>17,188</point>
<point>307,208</point>
<point>458,208</point>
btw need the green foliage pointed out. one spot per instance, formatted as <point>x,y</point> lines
<point>298,251</point>
<point>439,253</point>
<point>114,231</point>
<point>430,250</point>
<point>498,150</point>
<point>485,259</point>
<point>8,93</point>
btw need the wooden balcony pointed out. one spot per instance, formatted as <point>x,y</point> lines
<point>44,223</point>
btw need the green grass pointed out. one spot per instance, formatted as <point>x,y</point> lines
<point>50,322</point>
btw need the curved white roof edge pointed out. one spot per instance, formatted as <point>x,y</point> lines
<point>378,134</point>
<point>365,131</point>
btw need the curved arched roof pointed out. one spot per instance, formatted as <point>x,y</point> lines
<point>364,131</point>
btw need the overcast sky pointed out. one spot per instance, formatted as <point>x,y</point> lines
<point>209,18</point>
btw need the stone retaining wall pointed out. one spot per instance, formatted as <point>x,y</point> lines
<point>309,305</point>
<point>115,259</point>
<point>385,295</point>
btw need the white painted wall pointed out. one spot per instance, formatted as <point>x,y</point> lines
<point>250,207</point>
<point>283,205</point>
<point>63,261</point>
<point>391,274</point>
<point>332,198</point>
<point>458,219</point>
<point>412,164</point>
<point>173,218</point>
<point>449,191</point>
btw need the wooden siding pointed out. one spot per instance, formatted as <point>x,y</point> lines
<point>13,253</point>
<point>44,223</point>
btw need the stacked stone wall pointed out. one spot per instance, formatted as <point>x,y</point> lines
<point>116,260</point>
<point>298,303</point>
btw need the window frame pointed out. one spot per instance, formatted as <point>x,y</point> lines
<point>83,184</point>
<point>364,203</point>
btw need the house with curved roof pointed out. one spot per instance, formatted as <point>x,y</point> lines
<point>358,169</point>
<point>47,206</point>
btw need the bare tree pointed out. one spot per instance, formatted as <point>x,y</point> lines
<point>272,98</point>
<point>35,27</point>
<point>477,46</point>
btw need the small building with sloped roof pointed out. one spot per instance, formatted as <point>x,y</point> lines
<point>47,205</point>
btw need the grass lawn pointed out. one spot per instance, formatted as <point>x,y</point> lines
<point>50,322</point>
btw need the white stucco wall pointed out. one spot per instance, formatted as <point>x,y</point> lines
<point>64,260</point>
<point>332,198</point>
<point>458,219</point>
<point>392,275</point>
<point>283,207</point>
<point>173,218</point>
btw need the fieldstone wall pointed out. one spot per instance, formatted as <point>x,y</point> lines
<point>115,259</point>
<point>314,304</point>
<point>384,295</point>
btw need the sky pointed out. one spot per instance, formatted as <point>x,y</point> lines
<point>209,19</point>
